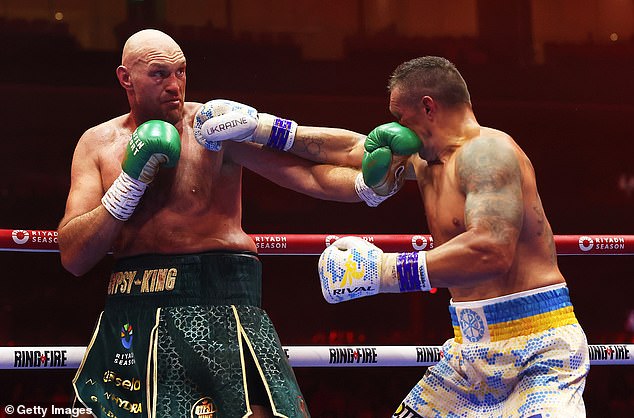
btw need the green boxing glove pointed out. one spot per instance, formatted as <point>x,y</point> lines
<point>153,143</point>
<point>387,149</point>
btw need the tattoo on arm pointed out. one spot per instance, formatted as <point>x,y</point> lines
<point>540,219</point>
<point>545,231</point>
<point>489,176</point>
<point>311,147</point>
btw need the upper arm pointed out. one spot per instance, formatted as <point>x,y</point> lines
<point>489,176</point>
<point>86,187</point>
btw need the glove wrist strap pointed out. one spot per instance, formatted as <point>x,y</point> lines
<point>123,196</point>
<point>274,132</point>
<point>411,269</point>
<point>366,193</point>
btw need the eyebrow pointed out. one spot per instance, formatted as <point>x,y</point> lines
<point>154,66</point>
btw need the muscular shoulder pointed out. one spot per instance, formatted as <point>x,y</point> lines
<point>106,132</point>
<point>191,108</point>
<point>487,161</point>
<point>490,142</point>
<point>102,141</point>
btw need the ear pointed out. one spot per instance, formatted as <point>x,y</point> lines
<point>428,105</point>
<point>124,77</point>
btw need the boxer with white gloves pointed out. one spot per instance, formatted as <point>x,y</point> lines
<point>221,120</point>
<point>352,267</point>
<point>153,143</point>
<point>387,149</point>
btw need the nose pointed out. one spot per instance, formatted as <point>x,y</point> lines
<point>172,84</point>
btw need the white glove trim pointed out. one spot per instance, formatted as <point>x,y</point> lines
<point>367,194</point>
<point>123,196</point>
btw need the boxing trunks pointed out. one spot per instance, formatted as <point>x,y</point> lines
<point>522,355</point>
<point>183,336</point>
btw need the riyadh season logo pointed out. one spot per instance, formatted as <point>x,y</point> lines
<point>126,336</point>
<point>585,243</point>
<point>20,236</point>
<point>601,243</point>
<point>330,239</point>
<point>419,242</point>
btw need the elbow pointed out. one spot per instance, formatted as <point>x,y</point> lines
<point>501,263</point>
<point>76,272</point>
<point>72,261</point>
<point>496,259</point>
<point>73,266</point>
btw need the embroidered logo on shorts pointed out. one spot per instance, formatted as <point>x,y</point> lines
<point>203,408</point>
<point>126,336</point>
<point>471,325</point>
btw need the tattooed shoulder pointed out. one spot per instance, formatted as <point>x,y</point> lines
<point>486,164</point>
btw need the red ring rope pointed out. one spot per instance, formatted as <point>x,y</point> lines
<point>313,244</point>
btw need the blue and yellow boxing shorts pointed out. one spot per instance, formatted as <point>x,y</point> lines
<point>521,355</point>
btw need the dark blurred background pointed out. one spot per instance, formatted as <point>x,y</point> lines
<point>555,74</point>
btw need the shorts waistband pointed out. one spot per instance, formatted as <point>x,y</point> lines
<point>511,316</point>
<point>212,278</point>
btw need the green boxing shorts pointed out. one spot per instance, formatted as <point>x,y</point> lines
<point>184,336</point>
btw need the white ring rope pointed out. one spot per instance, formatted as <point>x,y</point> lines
<point>70,357</point>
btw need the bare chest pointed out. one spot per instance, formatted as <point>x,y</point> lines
<point>443,201</point>
<point>191,185</point>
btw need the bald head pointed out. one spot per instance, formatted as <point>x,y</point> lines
<point>153,74</point>
<point>147,44</point>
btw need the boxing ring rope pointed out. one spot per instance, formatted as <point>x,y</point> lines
<point>70,357</point>
<point>313,244</point>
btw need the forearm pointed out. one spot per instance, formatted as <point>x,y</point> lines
<point>86,239</point>
<point>333,183</point>
<point>329,145</point>
<point>468,259</point>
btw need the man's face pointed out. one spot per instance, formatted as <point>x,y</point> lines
<point>158,82</point>
<point>407,112</point>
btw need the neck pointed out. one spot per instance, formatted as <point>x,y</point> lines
<point>138,118</point>
<point>450,132</point>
